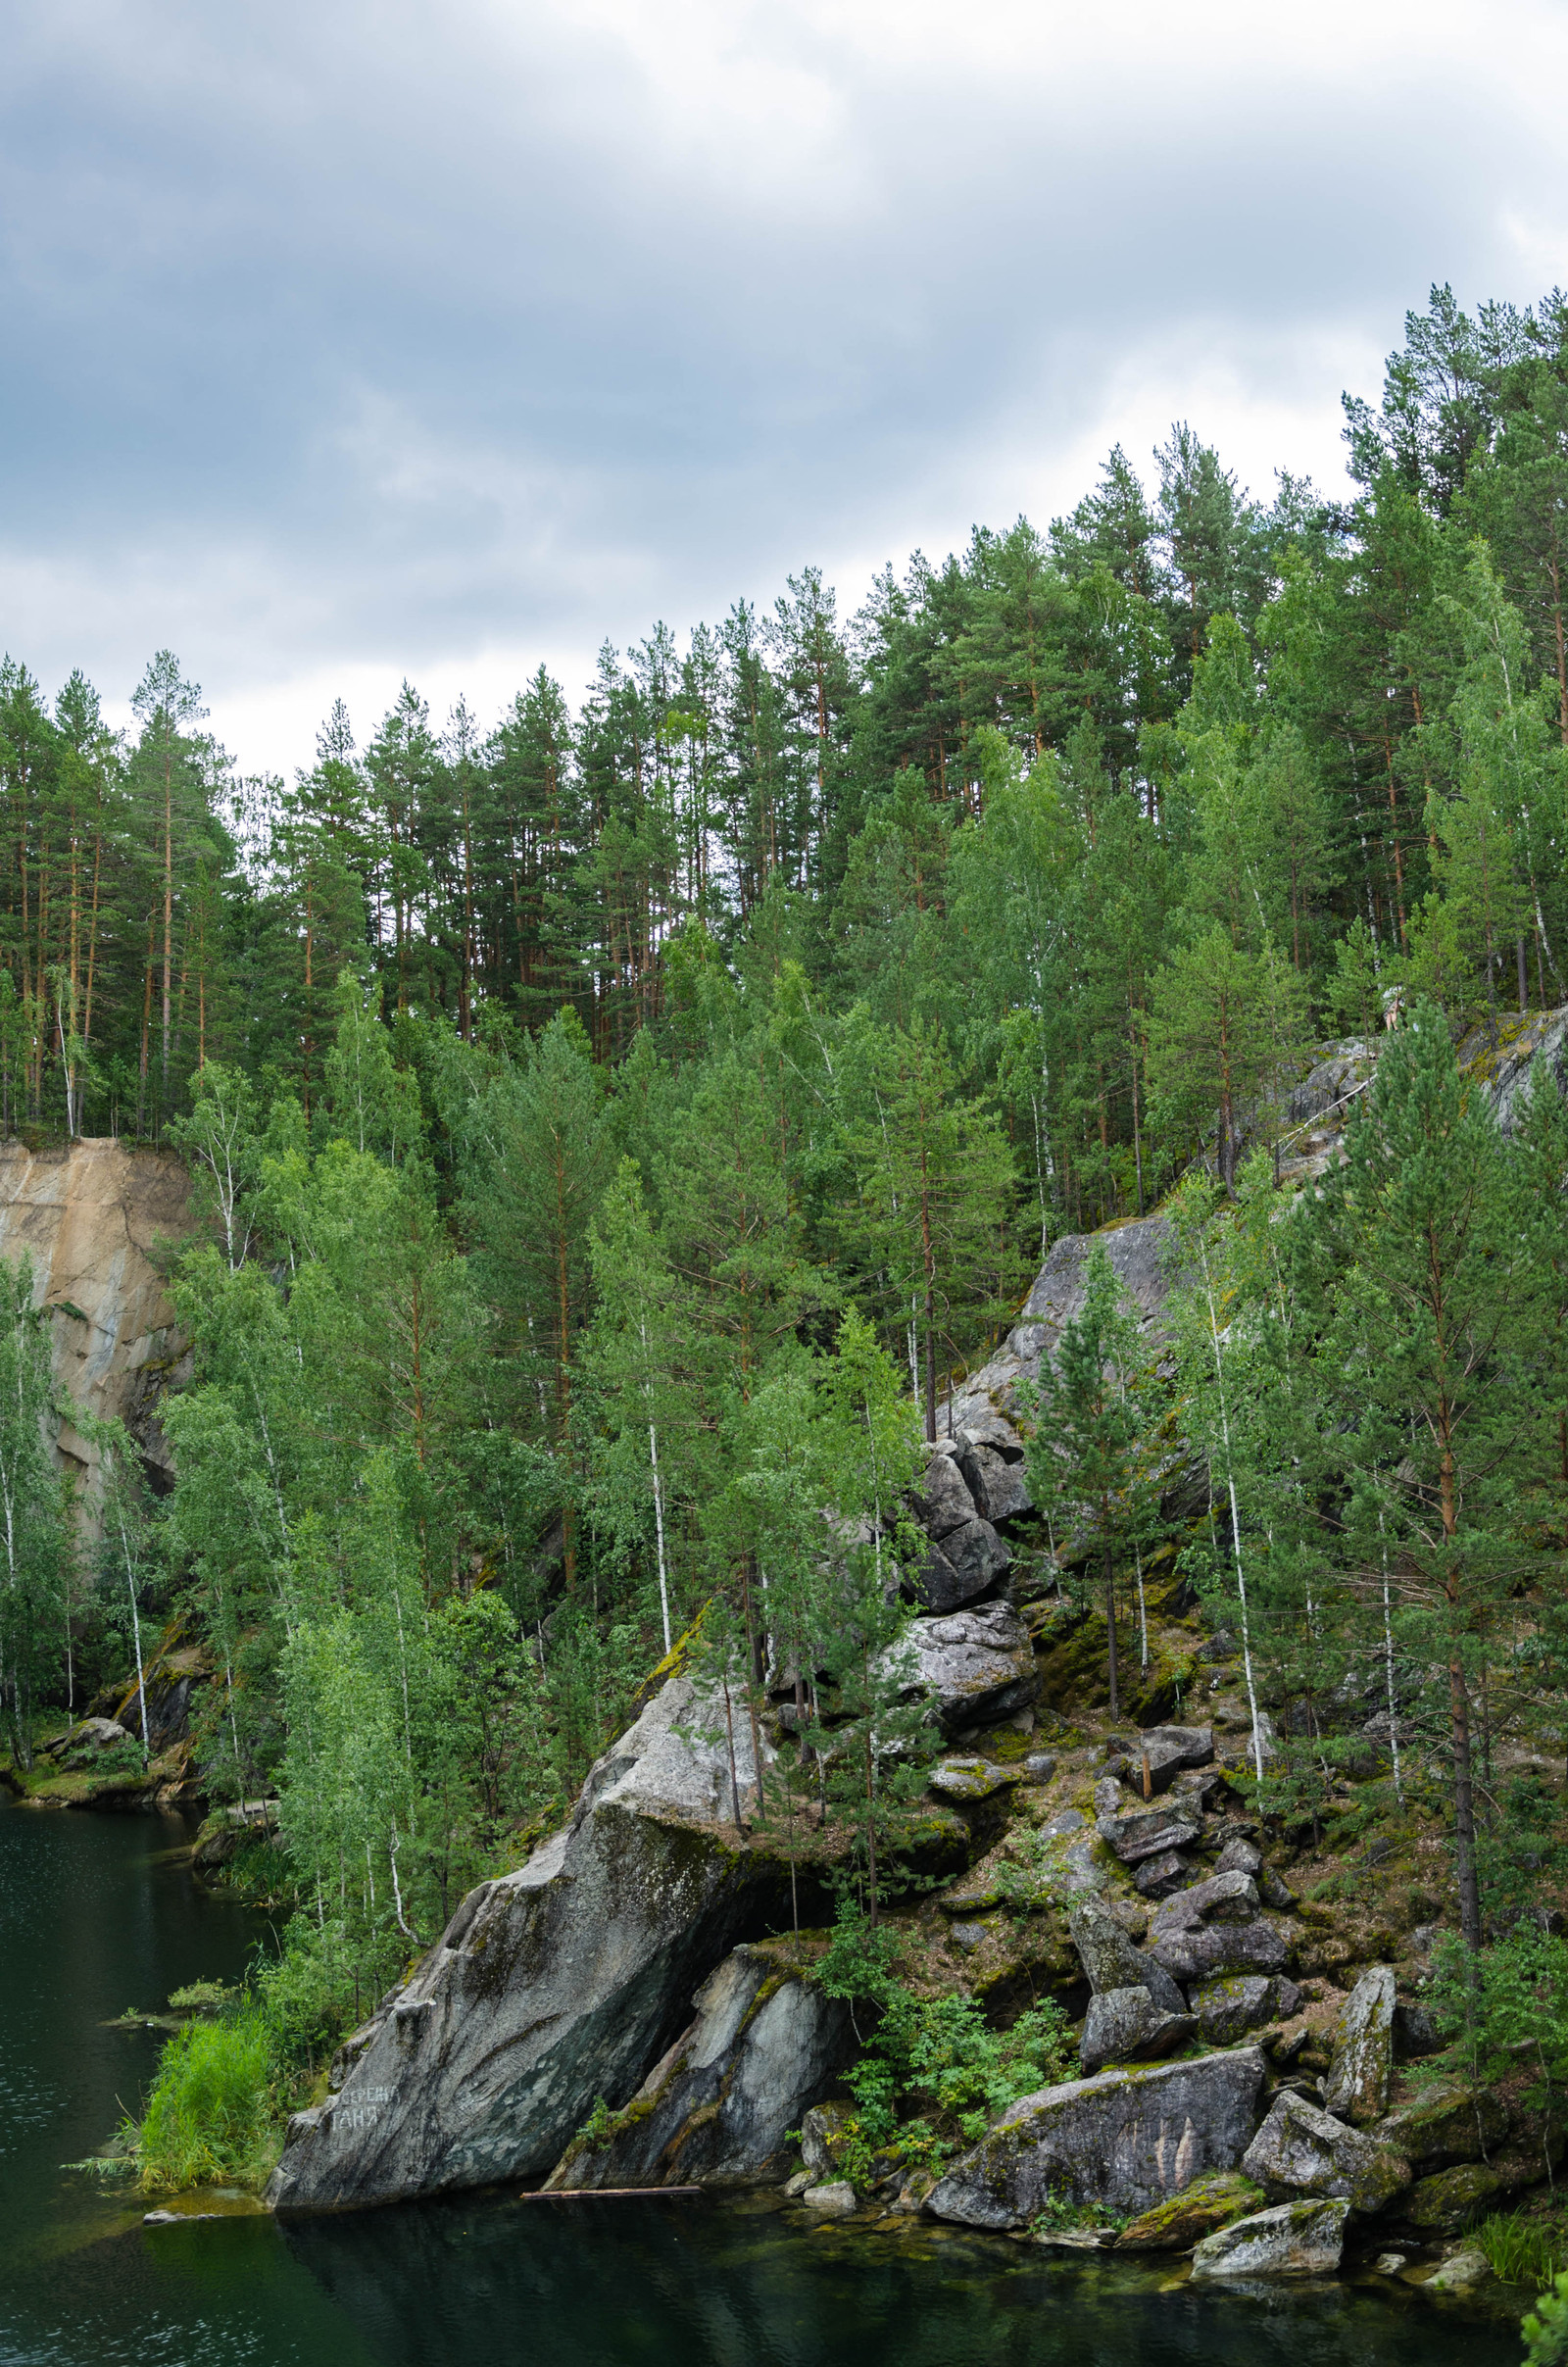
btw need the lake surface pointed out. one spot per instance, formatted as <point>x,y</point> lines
<point>97,1914</point>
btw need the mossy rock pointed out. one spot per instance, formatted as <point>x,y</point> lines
<point>1185,2219</point>
<point>1451,2200</point>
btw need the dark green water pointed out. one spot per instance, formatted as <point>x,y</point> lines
<point>94,1918</point>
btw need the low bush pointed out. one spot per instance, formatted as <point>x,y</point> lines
<point>209,2117</point>
<point>934,2074</point>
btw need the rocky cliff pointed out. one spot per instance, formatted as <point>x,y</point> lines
<point>90,1215</point>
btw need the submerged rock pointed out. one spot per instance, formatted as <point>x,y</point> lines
<point>1357,2085</point>
<point>1293,2239</point>
<point>1121,2142</point>
<point>835,2202</point>
<point>1300,2150</point>
<point>1460,2273</point>
<point>1126,2026</point>
<point>715,2108</point>
<point>551,1987</point>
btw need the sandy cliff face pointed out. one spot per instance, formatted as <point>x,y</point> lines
<point>89,1212</point>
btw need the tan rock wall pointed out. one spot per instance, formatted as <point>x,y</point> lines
<point>90,1212</point>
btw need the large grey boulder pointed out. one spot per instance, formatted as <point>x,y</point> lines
<point>1165,1751</point>
<point>551,1987</point>
<point>934,1580</point>
<point>1150,1832</point>
<point>942,1502</point>
<point>1362,2063</point>
<point>1120,2142</point>
<point>1293,2239</point>
<point>999,1488</point>
<point>1227,2010</point>
<point>1300,2150</point>
<point>1223,1898</point>
<point>1110,1960</point>
<point>975,1665</point>
<point>1126,2026</point>
<point>976,1555</point>
<point>1213,1927</point>
<point>1157,1877</point>
<point>1445,2124</point>
<point>714,2110</point>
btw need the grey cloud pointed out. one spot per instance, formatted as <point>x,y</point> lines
<point>363,331</point>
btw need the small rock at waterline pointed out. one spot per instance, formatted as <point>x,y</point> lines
<point>836,2201</point>
<point>1387,2264</point>
<point>1293,2239</point>
<point>1459,2275</point>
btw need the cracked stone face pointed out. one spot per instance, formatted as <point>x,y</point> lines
<point>551,1987</point>
<point>1120,2142</point>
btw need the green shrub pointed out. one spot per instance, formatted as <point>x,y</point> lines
<point>1522,2251</point>
<point>209,2115</point>
<point>1546,2328</point>
<point>935,2053</point>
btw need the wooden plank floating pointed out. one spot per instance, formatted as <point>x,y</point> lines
<point>603,2193</point>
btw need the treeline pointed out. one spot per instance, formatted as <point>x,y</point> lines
<point>1003,800</point>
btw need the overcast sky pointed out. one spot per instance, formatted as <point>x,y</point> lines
<point>343,342</point>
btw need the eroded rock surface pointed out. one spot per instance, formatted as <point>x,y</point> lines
<point>1293,2239</point>
<point>551,1987</point>
<point>1126,2026</point>
<point>90,1213</point>
<point>1362,2065</point>
<point>1121,2142</point>
<point>1300,2150</point>
<point>764,2046</point>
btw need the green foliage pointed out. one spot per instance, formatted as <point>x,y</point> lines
<point>1546,2327</point>
<point>204,1997</point>
<point>208,2117</point>
<point>1505,2009</point>
<point>1522,2251</point>
<point>934,2074</point>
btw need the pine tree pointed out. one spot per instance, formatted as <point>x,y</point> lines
<point>1425,1291</point>
<point>1091,1420</point>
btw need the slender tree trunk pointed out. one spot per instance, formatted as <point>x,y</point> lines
<point>1111,1629</point>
